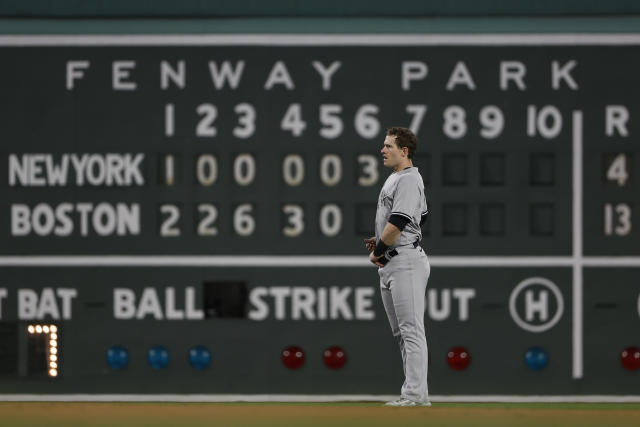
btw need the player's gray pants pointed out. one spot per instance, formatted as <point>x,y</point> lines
<point>403,283</point>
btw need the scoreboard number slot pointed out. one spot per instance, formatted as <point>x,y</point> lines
<point>617,170</point>
<point>330,220</point>
<point>294,220</point>
<point>207,170</point>
<point>171,216</point>
<point>293,170</point>
<point>243,223</point>
<point>244,169</point>
<point>617,219</point>
<point>331,170</point>
<point>208,216</point>
<point>369,168</point>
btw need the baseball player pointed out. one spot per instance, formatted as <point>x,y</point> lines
<point>403,265</point>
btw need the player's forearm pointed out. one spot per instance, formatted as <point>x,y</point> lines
<point>390,234</point>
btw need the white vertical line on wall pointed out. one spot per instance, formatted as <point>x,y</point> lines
<point>577,246</point>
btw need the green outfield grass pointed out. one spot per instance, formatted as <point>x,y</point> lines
<point>316,414</point>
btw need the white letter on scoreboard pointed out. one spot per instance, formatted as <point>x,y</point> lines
<point>512,70</point>
<point>149,304</point>
<point>563,73</point>
<point>171,312</point>
<point>460,75</point>
<point>66,295</point>
<point>363,304</point>
<point>167,73</point>
<point>75,71</point>
<point>27,303</point>
<point>540,306</point>
<point>192,312</point>
<point>225,74</point>
<point>279,294</point>
<point>48,305</point>
<point>121,71</point>
<point>20,220</point>
<point>444,311</point>
<point>279,75</point>
<point>260,309</point>
<point>326,73</point>
<point>338,303</point>
<point>617,117</point>
<point>463,296</point>
<point>303,298</point>
<point>412,70</point>
<point>124,303</point>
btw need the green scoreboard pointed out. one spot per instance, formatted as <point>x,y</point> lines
<point>186,214</point>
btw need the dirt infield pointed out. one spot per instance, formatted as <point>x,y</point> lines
<point>327,414</point>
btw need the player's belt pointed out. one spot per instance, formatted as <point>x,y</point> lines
<point>394,252</point>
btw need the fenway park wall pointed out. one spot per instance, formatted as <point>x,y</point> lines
<point>187,215</point>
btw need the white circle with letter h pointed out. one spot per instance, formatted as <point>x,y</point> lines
<point>536,281</point>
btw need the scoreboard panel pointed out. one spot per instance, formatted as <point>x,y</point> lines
<point>139,308</point>
<point>247,173</point>
<point>200,150</point>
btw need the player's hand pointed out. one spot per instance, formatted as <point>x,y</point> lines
<point>376,259</point>
<point>370,243</point>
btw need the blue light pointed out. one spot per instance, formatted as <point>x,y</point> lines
<point>117,357</point>
<point>158,357</point>
<point>199,357</point>
<point>536,358</point>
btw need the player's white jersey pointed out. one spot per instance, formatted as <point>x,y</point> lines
<point>402,194</point>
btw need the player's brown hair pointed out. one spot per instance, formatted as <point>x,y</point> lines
<point>404,138</point>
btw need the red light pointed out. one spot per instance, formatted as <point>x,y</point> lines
<point>334,357</point>
<point>293,357</point>
<point>458,358</point>
<point>630,358</point>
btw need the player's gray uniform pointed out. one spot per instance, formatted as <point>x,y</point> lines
<point>403,280</point>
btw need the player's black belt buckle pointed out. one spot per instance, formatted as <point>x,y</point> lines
<point>384,260</point>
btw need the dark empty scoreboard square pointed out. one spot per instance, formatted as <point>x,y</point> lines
<point>454,219</point>
<point>492,169</point>
<point>492,219</point>
<point>454,169</point>
<point>365,217</point>
<point>542,169</point>
<point>423,163</point>
<point>8,348</point>
<point>542,219</point>
<point>225,299</point>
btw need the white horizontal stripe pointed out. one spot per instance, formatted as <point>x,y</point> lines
<point>188,261</point>
<point>305,398</point>
<point>302,261</point>
<point>320,39</point>
<point>611,261</point>
<point>502,261</point>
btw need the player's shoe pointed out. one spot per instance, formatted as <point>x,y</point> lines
<point>406,402</point>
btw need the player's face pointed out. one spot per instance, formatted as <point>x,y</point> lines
<point>392,155</point>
